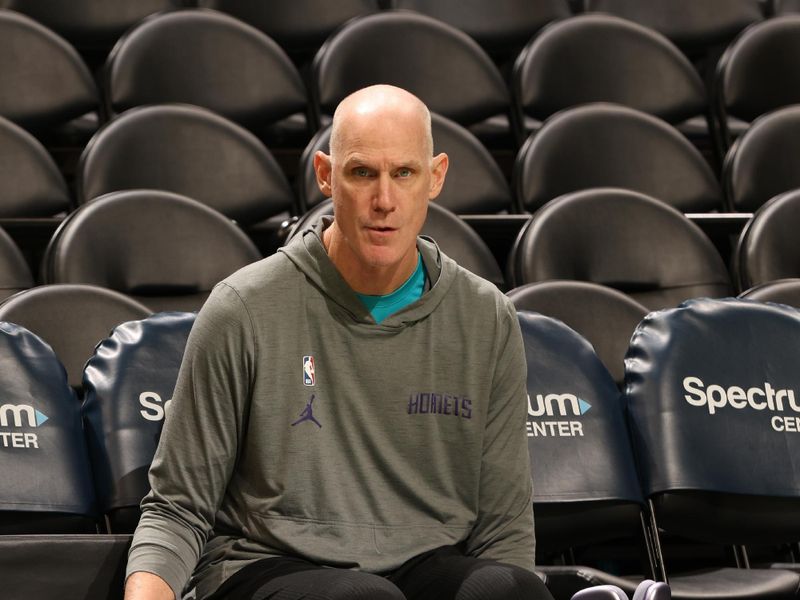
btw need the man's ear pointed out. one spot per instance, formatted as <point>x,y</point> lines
<point>438,171</point>
<point>322,167</point>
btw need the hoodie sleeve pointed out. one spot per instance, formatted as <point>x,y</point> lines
<point>504,527</point>
<point>199,443</point>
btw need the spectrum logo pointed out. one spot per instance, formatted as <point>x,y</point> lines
<point>20,416</point>
<point>153,407</point>
<point>563,409</point>
<point>765,398</point>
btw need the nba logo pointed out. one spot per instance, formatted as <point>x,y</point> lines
<point>309,378</point>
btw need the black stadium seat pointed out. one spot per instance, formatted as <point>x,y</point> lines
<point>695,27</point>
<point>474,182</point>
<point>209,59</point>
<point>30,182</point>
<point>584,480</point>
<point>45,83</point>
<point>714,421</point>
<point>127,387</point>
<point>758,72</point>
<point>72,319</point>
<point>604,316</point>
<point>15,275</point>
<point>780,291</point>
<point>78,566</point>
<point>44,464</point>
<point>758,166</point>
<point>602,58</point>
<point>299,26</point>
<point>785,7</point>
<point>92,26</point>
<point>769,248</point>
<point>165,250</point>
<point>501,27</point>
<point>440,64</point>
<point>621,239</point>
<point>609,145</point>
<point>187,150</point>
<point>455,238</point>
<point>702,30</point>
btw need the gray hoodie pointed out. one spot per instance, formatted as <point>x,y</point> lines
<point>301,427</point>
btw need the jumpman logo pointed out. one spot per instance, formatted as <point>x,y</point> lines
<point>307,414</point>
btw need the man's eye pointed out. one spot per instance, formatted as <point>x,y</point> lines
<point>404,172</point>
<point>361,172</point>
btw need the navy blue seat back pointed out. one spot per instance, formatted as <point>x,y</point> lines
<point>127,385</point>
<point>584,479</point>
<point>44,466</point>
<point>713,393</point>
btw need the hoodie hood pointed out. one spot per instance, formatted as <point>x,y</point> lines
<point>308,253</point>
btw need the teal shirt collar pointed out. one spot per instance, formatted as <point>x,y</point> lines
<point>412,289</point>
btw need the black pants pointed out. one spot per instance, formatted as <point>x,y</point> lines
<point>443,574</point>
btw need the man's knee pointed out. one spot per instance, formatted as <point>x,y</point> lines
<point>499,581</point>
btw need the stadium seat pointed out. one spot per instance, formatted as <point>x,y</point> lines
<point>15,275</point>
<point>45,82</point>
<point>127,384</point>
<point>79,567</point>
<point>604,316</point>
<point>44,465</point>
<point>768,247</point>
<point>443,66</point>
<point>187,150</point>
<point>693,26</point>
<point>165,250</point>
<point>299,26</point>
<point>72,319</point>
<point>474,182</point>
<point>758,73</point>
<point>710,400</point>
<point>30,183</point>
<point>785,7</point>
<point>702,30</point>
<point>91,26</point>
<point>209,59</point>
<point>501,27</point>
<point>757,166</point>
<point>584,480</point>
<point>629,149</point>
<point>602,58</point>
<point>621,239</point>
<point>455,238</point>
<point>780,291</point>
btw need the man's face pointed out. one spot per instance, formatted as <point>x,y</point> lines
<point>381,180</point>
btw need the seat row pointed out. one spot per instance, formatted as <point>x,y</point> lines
<point>93,26</point>
<point>164,251</point>
<point>212,59</point>
<point>195,152</point>
<point>701,379</point>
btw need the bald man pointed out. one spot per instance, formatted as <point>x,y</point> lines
<point>347,421</point>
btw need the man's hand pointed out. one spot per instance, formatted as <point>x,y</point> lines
<point>147,586</point>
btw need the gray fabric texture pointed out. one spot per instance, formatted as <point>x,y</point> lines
<point>417,439</point>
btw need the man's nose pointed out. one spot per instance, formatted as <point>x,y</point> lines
<point>383,200</point>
